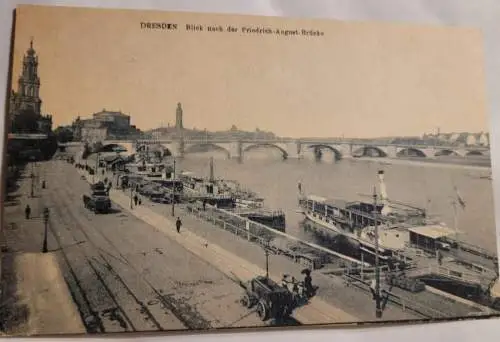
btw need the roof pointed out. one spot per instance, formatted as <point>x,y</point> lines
<point>316,198</point>
<point>333,202</point>
<point>432,231</point>
<point>337,203</point>
<point>108,112</point>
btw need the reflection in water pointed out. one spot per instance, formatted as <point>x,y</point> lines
<point>264,171</point>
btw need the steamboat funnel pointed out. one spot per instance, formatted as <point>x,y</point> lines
<point>383,193</point>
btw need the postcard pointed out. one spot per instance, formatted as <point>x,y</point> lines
<point>175,171</point>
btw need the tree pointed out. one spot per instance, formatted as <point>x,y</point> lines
<point>64,134</point>
<point>234,128</point>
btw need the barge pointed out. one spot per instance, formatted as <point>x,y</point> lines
<point>230,195</point>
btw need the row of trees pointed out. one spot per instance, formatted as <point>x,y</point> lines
<point>64,134</point>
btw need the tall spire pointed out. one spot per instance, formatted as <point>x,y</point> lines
<point>31,42</point>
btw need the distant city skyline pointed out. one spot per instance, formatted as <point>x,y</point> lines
<point>359,80</point>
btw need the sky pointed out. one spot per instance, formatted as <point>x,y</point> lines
<point>361,79</point>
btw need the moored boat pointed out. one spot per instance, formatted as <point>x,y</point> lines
<point>356,220</point>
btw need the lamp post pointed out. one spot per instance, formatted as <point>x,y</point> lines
<point>267,252</point>
<point>131,195</point>
<point>96,168</point>
<point>32,193</point>
<point>46,214</point>
<point>378,310</point>
<point>173,190</point>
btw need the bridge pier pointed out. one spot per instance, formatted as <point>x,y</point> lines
<point>236,150</point>
<point>293,150</point>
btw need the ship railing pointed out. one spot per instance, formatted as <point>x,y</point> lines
<point>473,249</point>
<point>449,273</point>
<point>263,210</point>
<point>280,242</point>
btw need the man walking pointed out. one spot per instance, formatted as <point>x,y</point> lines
<point>27,212</point>
<point>178,224</point>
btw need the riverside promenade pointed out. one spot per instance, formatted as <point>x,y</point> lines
<point>317,312</point>
<point>239,259</point>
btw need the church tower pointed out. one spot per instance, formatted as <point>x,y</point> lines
<point>178,117</point>
<point>27,96</point>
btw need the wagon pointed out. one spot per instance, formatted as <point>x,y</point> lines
<point>271,300</point>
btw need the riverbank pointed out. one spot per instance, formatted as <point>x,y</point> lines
<point>463,164</point>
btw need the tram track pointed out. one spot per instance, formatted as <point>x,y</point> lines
<point>109,313</point>
<point>120,255</point>
<point>114,313</point>
<point>187,319</point>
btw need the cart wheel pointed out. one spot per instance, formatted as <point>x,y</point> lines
<point>285,312</point>
<point>246,301</point>
<point>262,311</point>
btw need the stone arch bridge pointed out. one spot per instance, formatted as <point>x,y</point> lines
<point>298,148</point>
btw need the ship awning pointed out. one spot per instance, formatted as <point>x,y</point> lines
<point>432,231</point>
<point>337,203</point>
<point>316,198</point>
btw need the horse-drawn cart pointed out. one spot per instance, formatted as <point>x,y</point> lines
<point>272,300</point>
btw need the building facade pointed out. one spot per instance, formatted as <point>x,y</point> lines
<point>105,125</point>
<point>458,139</point>
<point>27,101</point>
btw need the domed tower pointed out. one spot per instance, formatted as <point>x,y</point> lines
<point>28,84</point>
<point>178,117</point>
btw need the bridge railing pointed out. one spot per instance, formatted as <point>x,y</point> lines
<point>214,140</point>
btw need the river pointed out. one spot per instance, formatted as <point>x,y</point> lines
<point>420,184</point>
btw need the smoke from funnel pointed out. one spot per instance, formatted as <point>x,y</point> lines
<point>383,193</point>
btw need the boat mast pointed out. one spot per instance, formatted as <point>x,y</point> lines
<point>211,177</point>
<point>455,219</point>
<point>378,310</point>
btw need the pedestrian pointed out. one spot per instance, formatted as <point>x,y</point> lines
<point>308,285</point>
<point>204,205</point>
<point>27,211</point>
<point>136,199</point>
<point>140,201</point>
<point>178,224</point>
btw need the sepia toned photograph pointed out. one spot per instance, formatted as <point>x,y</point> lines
<point>185,172</point>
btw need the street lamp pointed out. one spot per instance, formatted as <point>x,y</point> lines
<point>96,168</point>
<point>46,214</point>
<point>32,180</point>
<point>267,252</point>
<point>173,190</point>
<point>378,310</point>
<point>131,190</point>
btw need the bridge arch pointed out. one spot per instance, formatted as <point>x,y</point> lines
<point>318,147</point>
<point>154,148</point>
<point>284,153</point>
<point>113,148</point>
<point>474,153</point>
<point>411,152</point>
<point>445,152</point>
<point>369,151</point>
<point>206,147</point>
